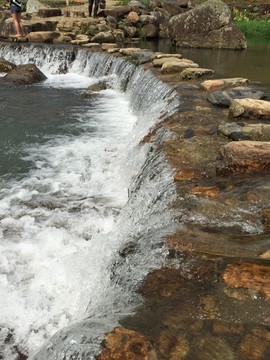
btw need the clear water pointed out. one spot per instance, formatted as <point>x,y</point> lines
<point>69,164</point>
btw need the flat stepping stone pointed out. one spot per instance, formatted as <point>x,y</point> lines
<point>224,98</point>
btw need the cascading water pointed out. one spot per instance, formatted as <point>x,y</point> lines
<point>81,225</point>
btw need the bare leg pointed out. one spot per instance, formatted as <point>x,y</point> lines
<point>18,24</point>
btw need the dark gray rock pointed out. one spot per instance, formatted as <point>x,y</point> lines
<point>224,98</point>
<point>142,57</point>
<point>51,12</point>
<point>25,74</point>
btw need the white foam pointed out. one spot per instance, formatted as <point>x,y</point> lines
<point>53,248</point>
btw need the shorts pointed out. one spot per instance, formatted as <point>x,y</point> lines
<point>15,9</point>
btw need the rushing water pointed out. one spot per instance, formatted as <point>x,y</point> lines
<point>80,199</point>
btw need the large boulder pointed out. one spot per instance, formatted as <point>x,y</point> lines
<point>25,74</point>
<point>33,6</point>
<point>209,25</point>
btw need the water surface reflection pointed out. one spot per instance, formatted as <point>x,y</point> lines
<point>252,63</point>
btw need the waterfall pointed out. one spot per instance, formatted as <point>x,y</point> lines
<point>133,244</point>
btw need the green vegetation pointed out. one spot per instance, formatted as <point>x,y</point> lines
<point>250,26</point>
<point>255,28</point>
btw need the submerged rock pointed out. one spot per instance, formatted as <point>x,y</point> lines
<point>123,343</point>
<point>249,276</point>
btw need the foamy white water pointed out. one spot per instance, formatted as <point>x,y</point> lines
<point>64,223</point>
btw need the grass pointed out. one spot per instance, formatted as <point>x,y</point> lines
<point>255,28</point>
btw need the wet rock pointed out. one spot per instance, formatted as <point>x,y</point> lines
<point>250,276</point>
<point>224,98</point>
<point>209,306</point>
<point>101,85</point>
<point>246,156</point>
<point>209,191</point>
<point>250,108</point>
<point>173,347</point>
<point>221,83</point>
<point>194,73</point>
<point>227,328</point>
<point>256,132</point>
<point>162,283</point>
<point>25,74</point>
<point>255,345</point>
<point>265,214</point>
<point>124,344</point>
<point>208,25</point>
<point>211,347</point>
<point>6,66</point>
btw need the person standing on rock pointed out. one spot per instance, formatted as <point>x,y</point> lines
<point>90,7</point>
<point>16,12</point>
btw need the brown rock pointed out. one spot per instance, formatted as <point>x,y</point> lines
<point>246,156</point>
<point>124,344</point>
<point>176,66</point>
<point>6,66</point>
<point>209,191</point>
<point>25,74</point>
<point>194,73</point>
<point>43,36</point>
<point>250,108</point>
<point>173,347</point>
<point>265,214</point>
<point>183,175</point>
<point>133,17</point>
<point>226,328</point>
<point>249,276</point>
<point>255,344</point>
<point>162,283</point>
<point>220,83</point>
<point>210,347</point>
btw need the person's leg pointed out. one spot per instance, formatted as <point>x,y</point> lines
<point>19,17</point>
<point>96,8</point>
<point>90,6</point>
<point>16,21</point>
